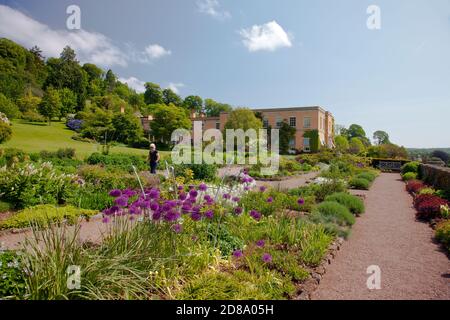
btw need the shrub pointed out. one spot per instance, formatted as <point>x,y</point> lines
<point>367,175</point>
<point>5,132</point>
<point>205,172</point>
<point>443,233</point>
<point>91,197</point>
<point>5,206</point>
<point>414,186</point>
<point>359,183</point>
<point>328,188</point>
<point>106,180</point>
<point>339,213</point>
<point>75,124</point>
<point>10,156</point>
<point>428,206</point>
<point>123,161</point>
<point>411,167</point>
<point>409,176</point>
<point>427,190</point>
<point>42,215</point>
<point>353,203</point>
<point>12,284</point>
<point>33,116</point>
<point>27,184</point>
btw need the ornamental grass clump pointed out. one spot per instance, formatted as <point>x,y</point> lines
<point>353,203</point>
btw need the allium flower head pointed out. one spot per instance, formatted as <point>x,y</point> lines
<point>177,228</point>
<point>121,201</point>
<point>105,220</point>
<point>154,206</point>
<point>196,216</point>
<point>262,188</point>
<point>115,193</point>
<point>301,201</point>
<point>236,199</point>
<point>193,193</point>
<point>153,194</point>
<point>202,187</point>
<point>260,243</point>
<point>238,210</point>
<point>209,214</point>
<point>266,258</point>
<point>255,214</point>
<point>237,254</point>
<point>269,199</point>
<point>180,188</point>
<point>182,196</point>
<point>226,196</point>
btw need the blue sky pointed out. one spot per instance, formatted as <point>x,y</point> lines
<point>298,53</point>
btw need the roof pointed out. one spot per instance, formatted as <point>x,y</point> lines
<point>308,108</point>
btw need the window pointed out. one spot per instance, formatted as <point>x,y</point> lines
<point>307,122</point>
<point>218,125</point>
<point>293,122</point>
<point>279,122</point>
<point>306,144</point>
<point>292,143</point>
<point>265,123</point>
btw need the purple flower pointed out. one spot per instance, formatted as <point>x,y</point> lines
<point>156,215</point>
<point>115,193</point>
<point>193,193</point>
<point>300,201</point>
<point>202,187</point>
<point>105,220</point>
<point>246,188</point>
<point>262,188</point>
<point>196,216</point>
<point>226,196</point>
<point>266,258</point>
<point>107,212</point>
<point>182,196</point>
<point>255,215</point>
<point>191,187</point>
<point>135,210</point>
<point>172,216</point>
<point>237,254</point>
<point>260,243</point>
<point>269,199</point>
<point>180,188</point>
<point>114,209</point>
<point>154,206</point>
<point>121,201</point>
<point>177,228</point>
<point>207,197</point>
<point>209,214</point>
<point>238,210</point>
<point>153,194</point>
<point>236,199</point>
<point>129,193</point>
<point>186,208</point>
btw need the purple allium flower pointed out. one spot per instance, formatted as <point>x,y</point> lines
<point>266,258</point>
<point>209,214</point>
<point>129,193</point>
<point>114,209</point>
<point>226,196</point>
<point>107,211</point>
<point>250,179</point>
<point>186,208</point>
<point>115,193</point>
<point>196,209</point>
<point>154,206</point>
<point>196,216</point>
<point>245,170</point>
<point>153,194</point>
<point>193,193</point>
<point>207,197</point>
<point>238,210</point>
<point>202,187</point>
<point>191,187</point>
<point>300,201</point>
<point>260,243</point>
<point>177,228</point>
<point>236,199</point>
<point>180,188</point>
<point>121,201</point>
<point>166,206</point>
<point>246,188</point>
<point>262,188</point>
<point>156,215</point>
<point>182,196</point>
<point>172,216</point>
<point>105,220</point>
<point>269,199</point>
<point>237,254</point>
<point>244,180</point>
<point>135,210</point>
<point>255,215</point>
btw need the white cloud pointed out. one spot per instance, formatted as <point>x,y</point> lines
<point>89,46</point>
<point>268,37</point>
<point>212,8</point>
<point>134,83</point>
<point>155,51</point>
<point>175,87</point>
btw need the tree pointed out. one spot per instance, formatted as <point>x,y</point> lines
<point>214,108</point>
<point>110,81</point>
<point>341,143</point>
<point>356,131</point>
<point>5,132</point>
<point>243,118</point>
<point>381,137</point>
<point>194,103</point>
<point>287,133</point>
<point>68,102</point>
<point>28,103</point>
<point>8,107</point>
<point>93,72</point>
<point>356,146</point>
<point>50,105</point>
<point>97,124</point>
<point>126,128</point>
<point>170,97</point>
<point>166,119</point>
<point>444,156</point>
<point>153,93</point>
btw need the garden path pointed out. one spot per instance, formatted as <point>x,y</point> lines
<point>388,235</point>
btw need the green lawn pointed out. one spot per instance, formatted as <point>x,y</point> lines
<point>33,137</point>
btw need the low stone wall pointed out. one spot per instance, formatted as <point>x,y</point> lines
<point>438,177</point>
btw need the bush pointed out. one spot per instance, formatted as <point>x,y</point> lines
<point>328,188</point>
<point>411,167</point>
<point>33,116</point>
<point>204,172</point>
<point>123,161</point>
<point>12,284</point>
<point>91,197</point>
<point>414,186</point>
<point>367,175</point>
<point>353,203</point>
<point>10,156</point>
<point>5,132</point>
<point>409,176</point>
<point>427,190</point>
<point>428,206</point>
<point>43,215</point>
<point>359,183</point>
<point>67,153</point>
<point>27,184</point>
<point>75,124</point>
<point>443,233</point>
<point>104,180</point>
<point>5,206</point>
<point>336,211</point>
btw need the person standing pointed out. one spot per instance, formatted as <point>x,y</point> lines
<point>153,158</point>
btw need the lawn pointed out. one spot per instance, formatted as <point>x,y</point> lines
<point>34,137</point>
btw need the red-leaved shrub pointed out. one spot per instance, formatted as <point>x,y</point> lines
<point>414,186</point>
<point>428,206</point>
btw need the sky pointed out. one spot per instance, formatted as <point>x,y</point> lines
<point>267,54</point>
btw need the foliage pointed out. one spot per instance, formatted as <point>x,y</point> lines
<point>8,107</point>
<point>314,142</point>
<point>367,175</point>
<point>444,156</point>
<point>5,206</point>
<point>414,186</point>
<point>43,215</point>
<point>353,203</point>
<point>68,102</point>
<point>50,105</point>
<point>381,137</point>
<point>214,108</point>
<point>409,176</point>
<point>428,206</point>
<point>321,191</point>
<point>28,103</point>
<point>388,151</point>
<point>194,103</point>
<point>106,180</point>
<point>243,118</point>
<point>12,276</point>
<point>5,132</point>
<point>170,97</point>
<point>412,166</point>
<point>286,134</point>
<point>356,146</point>
<point>207,172</point>
<point>167,119</point>
<point>443,233</point>
<point>359,183</point>
<point>336,211</point>
<point>341,143</point>
<point>127,128</point>
<point>153,93</point>
<point>27,184</point>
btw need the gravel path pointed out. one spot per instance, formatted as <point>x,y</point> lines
<point>388,235</point>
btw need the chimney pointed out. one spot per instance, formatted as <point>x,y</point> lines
<point>122,109</point>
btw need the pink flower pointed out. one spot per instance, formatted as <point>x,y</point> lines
<point>266,258</point>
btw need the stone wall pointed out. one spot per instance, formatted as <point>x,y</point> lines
<point>438,177</point>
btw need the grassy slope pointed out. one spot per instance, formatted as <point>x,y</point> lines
<point>38,137</point>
